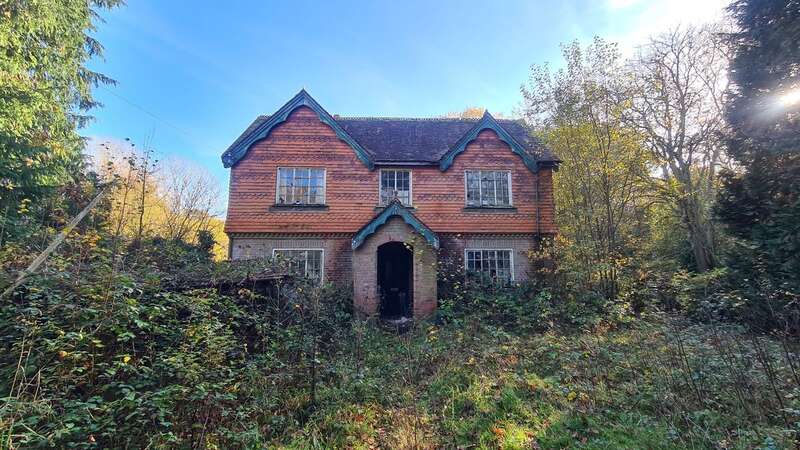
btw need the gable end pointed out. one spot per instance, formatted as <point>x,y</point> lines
<point>237,151</point>
<point>487,122</point>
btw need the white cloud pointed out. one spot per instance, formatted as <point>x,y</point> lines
<point>648,18</point>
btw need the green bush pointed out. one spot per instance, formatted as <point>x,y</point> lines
<point>124,358</point>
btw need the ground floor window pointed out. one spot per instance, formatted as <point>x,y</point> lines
<point>306,262</point>
<point>489,265</point>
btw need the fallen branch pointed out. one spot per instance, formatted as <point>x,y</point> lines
<point>54,244</point>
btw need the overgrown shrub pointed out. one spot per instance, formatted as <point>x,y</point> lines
<point>101,352</point>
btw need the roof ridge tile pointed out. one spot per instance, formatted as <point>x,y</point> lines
<point>408,119</point>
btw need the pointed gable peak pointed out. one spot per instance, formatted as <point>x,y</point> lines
<point>487,121</point>
<point>239,149</point>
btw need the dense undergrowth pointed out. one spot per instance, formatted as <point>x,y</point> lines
<point>125,343</point>
<point>657,383</point>
<point>120,356</point>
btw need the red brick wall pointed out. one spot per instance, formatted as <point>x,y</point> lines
<point>352,189</point>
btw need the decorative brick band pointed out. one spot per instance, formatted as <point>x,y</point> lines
<point>290,235</point>
<point>509,236</point>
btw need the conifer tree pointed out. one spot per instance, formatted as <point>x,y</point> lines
<point>760,203</point>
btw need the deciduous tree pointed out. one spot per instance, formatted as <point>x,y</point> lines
<point>678,83</point>
<point>598,188</point>
<point>188,196</point>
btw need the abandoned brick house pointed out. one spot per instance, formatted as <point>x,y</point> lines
<point>376,202</point>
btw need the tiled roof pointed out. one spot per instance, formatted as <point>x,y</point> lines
<point>392,139</point>
<point>411,140</point>
<point>424,140</point>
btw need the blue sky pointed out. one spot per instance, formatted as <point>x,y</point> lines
<point>193,74</point>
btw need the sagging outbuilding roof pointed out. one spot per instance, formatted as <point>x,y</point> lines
<point>389,140</point>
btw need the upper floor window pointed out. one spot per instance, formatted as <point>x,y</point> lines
<point>395,183</point>
<point>304,262</point>
<point>301,186</point>
<point>489,188</point>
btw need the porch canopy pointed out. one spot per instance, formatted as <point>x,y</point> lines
<point>395,208</point>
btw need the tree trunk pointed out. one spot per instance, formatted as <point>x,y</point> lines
<point>700,234</point>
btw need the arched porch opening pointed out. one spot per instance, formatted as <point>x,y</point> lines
<point>395,280</point>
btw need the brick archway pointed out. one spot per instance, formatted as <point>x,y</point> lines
<point>365,269</point>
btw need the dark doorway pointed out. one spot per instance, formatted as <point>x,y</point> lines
<point>395,280</point>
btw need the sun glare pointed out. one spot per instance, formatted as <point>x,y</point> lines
<point>790,98</point>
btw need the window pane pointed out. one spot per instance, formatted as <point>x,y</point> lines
<point>287,185</point>
<point>491,266</point>
<point>387,186</point>
<point>307,263</point>
<point>501,183</point>
<point>402,181</point>
<point>387,180</point>
<point>487,188</point>
<point>403,196</point>
<point>314,195</point>
<point>302,181</point>
<point>281,194</point>
<point>504,265</point>
<point>317,187</point>
<point>402,186</point>
<point>473,188</point>
<point>395,183</point>
<point>301,186</point>
<point>314,267</point>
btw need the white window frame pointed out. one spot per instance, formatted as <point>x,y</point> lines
<point>510,189</point>
<point>410,185</point>
<point>510,259</point>
<point>324,186</point>
<point>305,269</point>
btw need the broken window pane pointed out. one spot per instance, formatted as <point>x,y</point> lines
<point>395,183</point>
<point>488,188</point>
<point>489,266</point>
